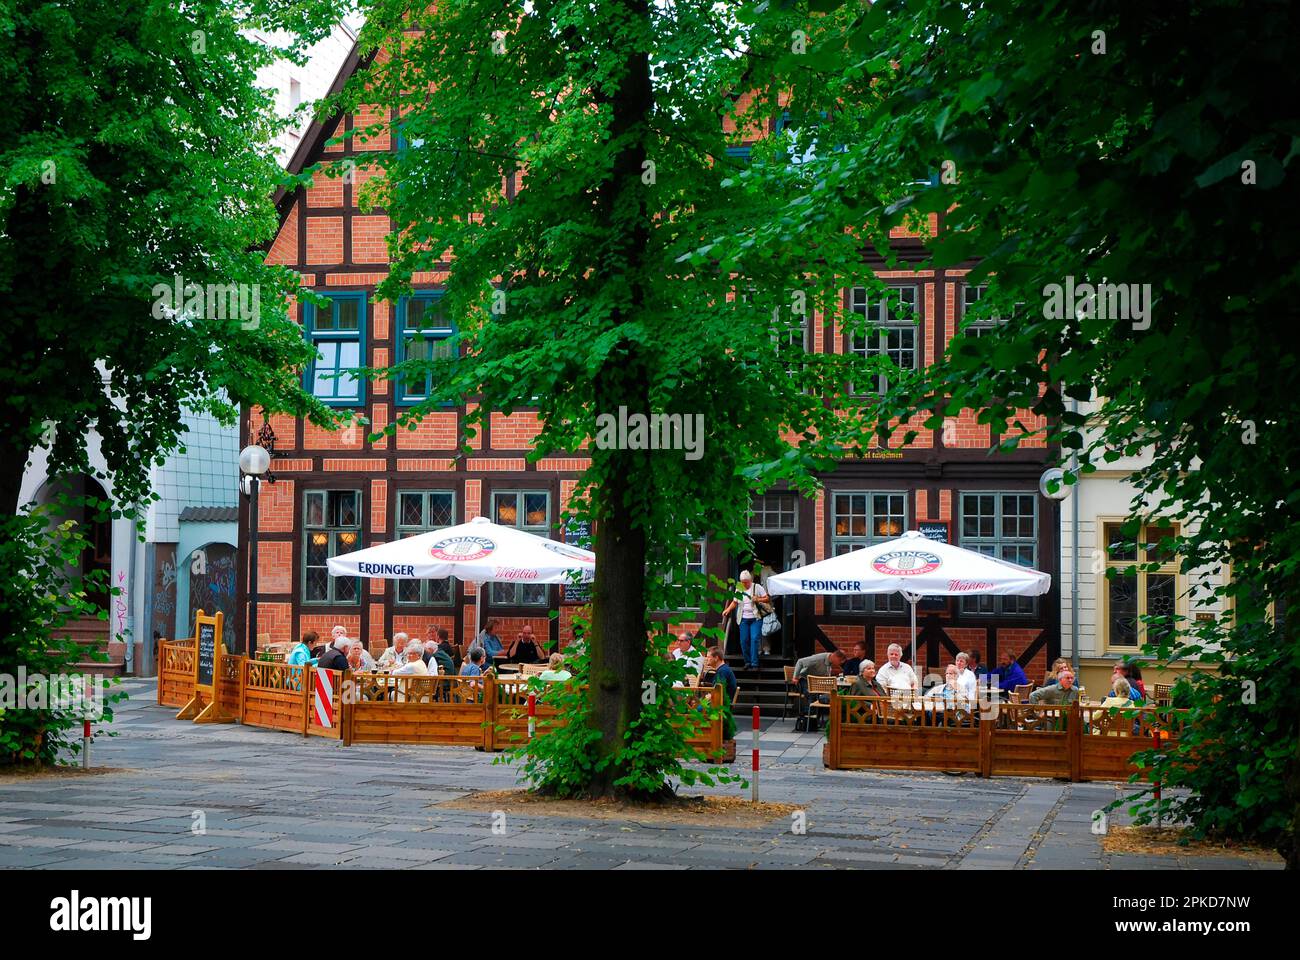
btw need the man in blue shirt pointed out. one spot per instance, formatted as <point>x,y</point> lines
<point>716,670</point>
<point>1009,673</point>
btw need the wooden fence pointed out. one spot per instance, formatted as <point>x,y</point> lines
<point>379,708</point>
<point>701,707</point>
<point>449,710</point>
<point>175,672</point>
<point>1071,742</point>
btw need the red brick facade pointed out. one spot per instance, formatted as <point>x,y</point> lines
<point>337,248</point>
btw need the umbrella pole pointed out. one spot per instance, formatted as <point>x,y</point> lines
<point>913,604</point>
<point>478,612</point>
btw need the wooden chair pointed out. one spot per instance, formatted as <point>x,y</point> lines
<point>816,687</point>
<point>792,693</point>
<point>532,669</point>
<point>1021,692</point>
<point>1163,694</point>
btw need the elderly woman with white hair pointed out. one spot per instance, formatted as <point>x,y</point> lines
<point>749,616</point>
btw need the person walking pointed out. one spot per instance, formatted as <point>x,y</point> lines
<point>750,607</point>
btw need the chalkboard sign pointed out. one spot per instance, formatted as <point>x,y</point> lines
<point>208,650</point>
<point>206,669</point>
<point>934,531</point>
<point>207,654</point>
<point>939,532</point>
<point>577,533</point>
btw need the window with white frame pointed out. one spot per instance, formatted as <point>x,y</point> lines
<point>419,511</point>
<point>331,528</point>
<point>528,510</point>
<point>1137,593</point>
<point>860,519</point>
<point>1002,525</point>
<point>774,513</point>
<point>891,330</point>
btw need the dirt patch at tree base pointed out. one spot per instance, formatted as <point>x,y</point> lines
<point>701,811</point>
<point>23,774</point>
<point>1174,842</point>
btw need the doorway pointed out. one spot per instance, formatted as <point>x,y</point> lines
<point>770,555</point>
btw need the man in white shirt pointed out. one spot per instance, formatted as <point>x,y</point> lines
<point>681,650</point>
<point>393,656</point>
<point>967,684</point>
<point>896,675</point>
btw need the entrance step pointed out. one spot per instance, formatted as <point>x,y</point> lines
<point>91,634</point>
<point>764,687</point>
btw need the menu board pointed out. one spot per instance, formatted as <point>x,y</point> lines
<point>934,531</point>
<point>207,654</point>
<point>577,533</point>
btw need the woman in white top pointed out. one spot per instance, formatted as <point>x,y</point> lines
<point>748,617</point>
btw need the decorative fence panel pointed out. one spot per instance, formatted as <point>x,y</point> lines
<point>274,696</point>
<point>175,672</point>
<point>230,683</point>
<point>399,709</point>
<point>335,713</point>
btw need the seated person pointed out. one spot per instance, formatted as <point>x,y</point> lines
<point>437,660</point>
<point>490,643</point>
<point>948,692</point>
<point>393,656</point>
<point>716,670</point>
<point>1009,672</point>
<point>865,683</point>
<point>473,666</point>
<point>414,665</point>
<point>359,660</point>
<point>302,651</point>
<point>525,648</point>
<point>853,665</point>
<point>1063,691</point>
<point>1054,675</point>
<point>1121,694</point>
<point>335,656</point>
<point>555,671</point>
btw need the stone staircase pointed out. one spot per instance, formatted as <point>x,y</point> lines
<point>92,634</point>
<point>764,687</point>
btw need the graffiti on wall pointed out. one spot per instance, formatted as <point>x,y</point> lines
<point>212,583</point>
<point>163,615</point>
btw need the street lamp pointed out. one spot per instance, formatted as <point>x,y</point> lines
<point>1052,485</point>
<point>254,462</point>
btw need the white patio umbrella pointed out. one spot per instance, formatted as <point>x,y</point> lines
<point>479,551</point>
<point>916,567</point>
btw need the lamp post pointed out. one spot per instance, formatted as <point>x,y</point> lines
<point>1052,485</point>
<point>254,462</point>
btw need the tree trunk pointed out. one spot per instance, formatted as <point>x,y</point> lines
<point>617,639</point>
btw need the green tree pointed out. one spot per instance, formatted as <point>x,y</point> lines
<point>578,298</point>
<point>1109,143</point>
<point>134,149</point>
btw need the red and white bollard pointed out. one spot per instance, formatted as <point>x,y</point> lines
<point>87,699</point>
<point>753,783</point>
<point>532,715</point>
<point>1155,735</point>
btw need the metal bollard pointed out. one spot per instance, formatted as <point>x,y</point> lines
<point>532,714</point>
<point>753,783</point>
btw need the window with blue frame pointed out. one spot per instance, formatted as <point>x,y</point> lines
<point>424,333</point>
<point>338,332</point>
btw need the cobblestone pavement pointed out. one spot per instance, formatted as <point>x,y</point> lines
<point>278,801</point>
